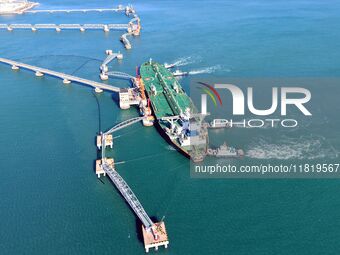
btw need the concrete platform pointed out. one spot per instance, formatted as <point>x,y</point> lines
<point>108,141</point>
<point>150,242</point>
<point>99,169</point>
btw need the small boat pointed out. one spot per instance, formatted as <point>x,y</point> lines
<point>179,73</point>
<point>225,151</point>
<point>219,123</point>
<point>168,66</point>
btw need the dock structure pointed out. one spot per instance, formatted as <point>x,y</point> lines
<point>110,57</point>
<point>129,10</point>
<point>108,141</point>
<point>65,77</point>
<point>125,41</point>
<point>133,27</point>
<point>154,233</point>
<point>99,166</point>
<point>78,10</point>
<point>59,27</point>
<point>122,125</point>
<point>150,242</point>
<point>127,96</point>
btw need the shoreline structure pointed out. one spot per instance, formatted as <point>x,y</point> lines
<point>16,6</point>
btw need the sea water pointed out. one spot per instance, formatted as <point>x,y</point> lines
<point>53,203</point>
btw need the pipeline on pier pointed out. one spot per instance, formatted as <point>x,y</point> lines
<point>59,27</point>
<point>65,77</point>
<point>78,10</point>
<point>154,233</point>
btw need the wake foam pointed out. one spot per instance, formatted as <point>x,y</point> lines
<point>311,147</point>
<point>210,69</point>
<point>186,61</point>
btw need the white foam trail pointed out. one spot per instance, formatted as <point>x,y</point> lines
<point>312,147</point>
<point>205,70</point>
<point>185,61</point>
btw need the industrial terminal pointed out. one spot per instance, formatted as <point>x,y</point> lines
<point>155,91</point>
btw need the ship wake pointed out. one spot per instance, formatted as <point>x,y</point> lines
<point>206,70</point>
<point>186,61</point>
<point>305,147</point>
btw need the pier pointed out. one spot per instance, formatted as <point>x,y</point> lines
<point>77,10</point>
<point>108,141</point>
<point>110,57</point>
<point>127,96</point>
<point>154,234</point>
<point>133,27</point>
<point>59,27</point>
<point>125,41</point>
<point>25,8</point>
<point>65,77</point>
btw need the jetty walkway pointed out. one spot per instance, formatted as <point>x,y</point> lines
<point>77,10</point>
<point>59,27</point>
<point>65,77</point>
<point>119,182</point>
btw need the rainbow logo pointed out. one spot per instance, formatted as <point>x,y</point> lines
<point>211,91</point>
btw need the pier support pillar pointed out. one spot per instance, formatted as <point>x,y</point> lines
<point>66,81</point>
<point>15,67</point>
<point>34,29</point>
<point>98,90</point>
<point>57,29</point>
<point>39,74</point>
<point>119,56</point>
<point>104,69</point>
<point>106,28</point>
<point>104,76</point>
<point>82,29</point>
<point>9,29</point>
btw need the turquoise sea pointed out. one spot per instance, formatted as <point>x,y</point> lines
<point>51,202</point>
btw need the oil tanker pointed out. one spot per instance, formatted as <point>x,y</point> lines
<point>176,117</point>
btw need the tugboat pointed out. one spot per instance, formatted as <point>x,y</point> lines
<point>179,73</point>
<point>219,123</point>
<point>225,151</point>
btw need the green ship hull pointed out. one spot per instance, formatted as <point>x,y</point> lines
<point>176,116</point>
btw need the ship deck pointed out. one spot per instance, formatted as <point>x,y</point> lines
<point>167,102</point>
